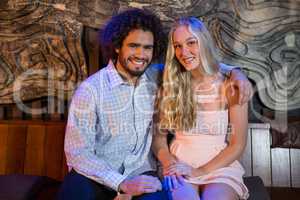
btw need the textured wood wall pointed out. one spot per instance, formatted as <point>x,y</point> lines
<point>52,107</point>
<point>41,56</point>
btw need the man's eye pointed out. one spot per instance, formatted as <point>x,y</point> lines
<point>133,45</point>
<point>148,47</point>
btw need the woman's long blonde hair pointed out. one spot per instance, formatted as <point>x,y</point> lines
<point>176,105</point>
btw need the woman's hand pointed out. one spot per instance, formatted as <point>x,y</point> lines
<point>180,169</point>
<point>170,181</point>
<point>183,169</point>
<point>166,162</point>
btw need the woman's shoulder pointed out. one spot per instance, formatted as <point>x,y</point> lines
<point>227,92</point>
<point>221,81</point>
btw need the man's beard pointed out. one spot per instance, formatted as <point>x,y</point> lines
<point>134,73</point>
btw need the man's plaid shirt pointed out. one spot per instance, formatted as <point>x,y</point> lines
<point>109,130</point>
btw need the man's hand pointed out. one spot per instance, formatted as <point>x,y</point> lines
<point>239,80</point>
<point>123,197</point>
<point>140,184</point>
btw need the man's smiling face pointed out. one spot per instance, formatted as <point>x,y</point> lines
<point>135,54</point>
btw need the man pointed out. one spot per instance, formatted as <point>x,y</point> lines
<point>109,131</point>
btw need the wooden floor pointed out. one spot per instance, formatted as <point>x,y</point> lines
<point>278,167</point>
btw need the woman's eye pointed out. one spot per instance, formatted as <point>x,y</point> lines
<point>176,46</point>
<point>192,42</point>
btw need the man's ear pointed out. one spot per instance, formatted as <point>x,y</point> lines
<point>117,51</point>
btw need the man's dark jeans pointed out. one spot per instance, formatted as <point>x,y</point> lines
<point>78,187</point>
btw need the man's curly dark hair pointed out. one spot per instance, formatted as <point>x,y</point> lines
<point>118,28</point>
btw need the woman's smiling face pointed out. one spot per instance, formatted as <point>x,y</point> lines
<point>186,48</point>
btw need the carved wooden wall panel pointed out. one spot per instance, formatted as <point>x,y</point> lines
<point>263,37</point>
<point>40,52</point>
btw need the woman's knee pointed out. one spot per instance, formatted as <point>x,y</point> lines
<point>218,191</point>
<point>186,191</point>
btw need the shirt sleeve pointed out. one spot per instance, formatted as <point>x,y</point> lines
<point>80,141</point>
<point>226,69</point>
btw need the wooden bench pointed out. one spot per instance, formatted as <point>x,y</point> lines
<point>35,148</point>
<point>32,148</point>
<point>277,167</point>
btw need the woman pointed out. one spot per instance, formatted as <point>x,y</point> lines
<point>195,105</point>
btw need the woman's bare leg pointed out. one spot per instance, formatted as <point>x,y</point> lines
<point>186,191</point>
<point>218,191</point>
